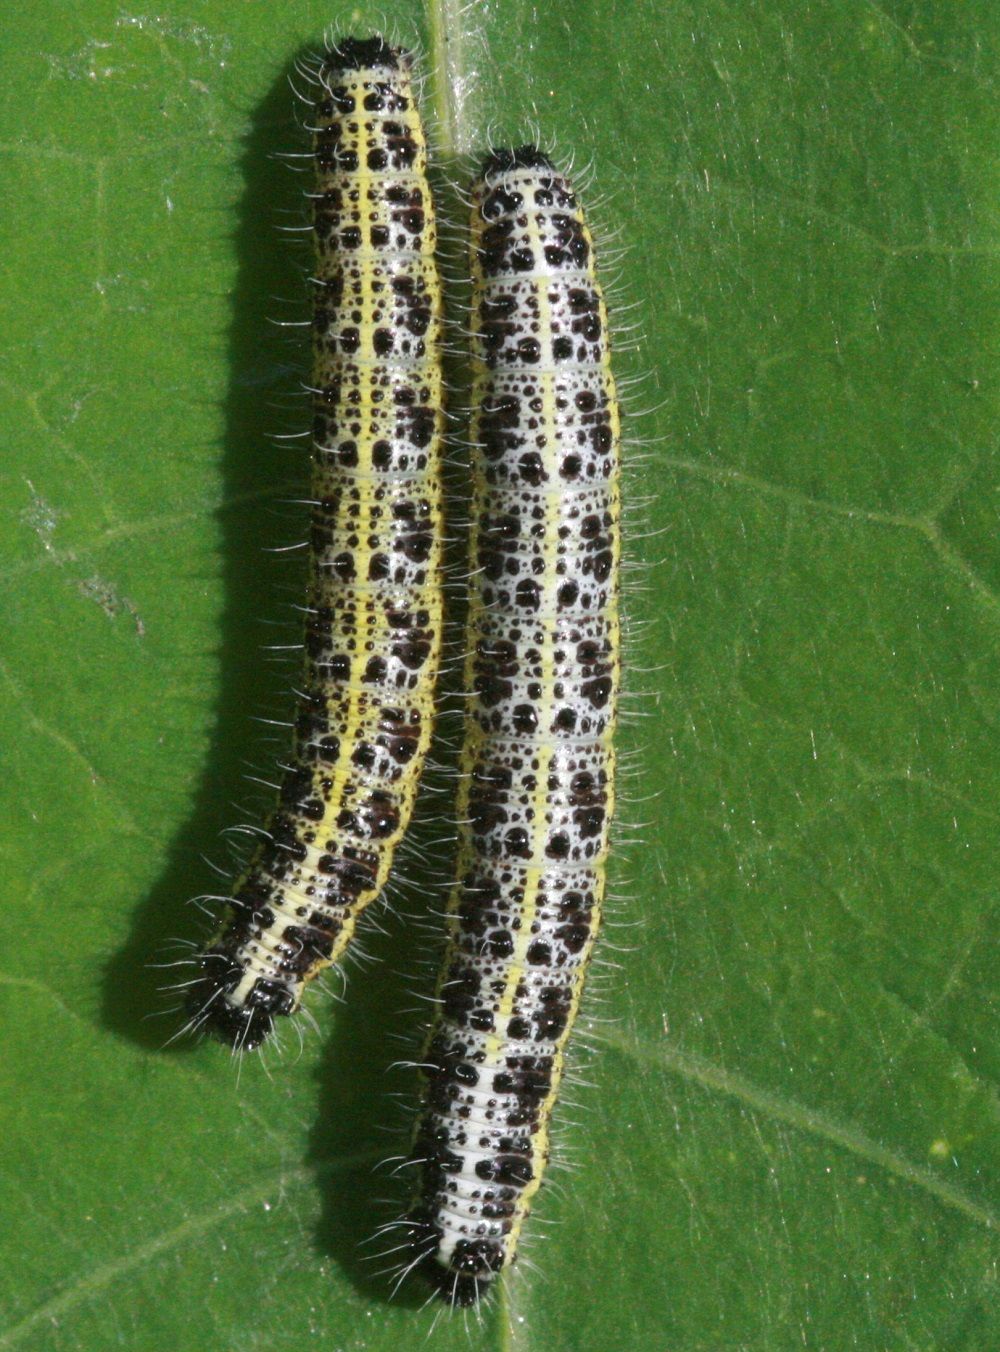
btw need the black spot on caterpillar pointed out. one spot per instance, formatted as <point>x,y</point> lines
<point>542,679</point>
<point>373,631</point>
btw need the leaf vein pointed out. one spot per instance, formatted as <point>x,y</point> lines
<point>808,1119</point>
<point>99,1278</point>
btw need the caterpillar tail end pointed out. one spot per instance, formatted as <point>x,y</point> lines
<point>463,1277</point>
<point>243,1026</point>
<point>457,1289</point>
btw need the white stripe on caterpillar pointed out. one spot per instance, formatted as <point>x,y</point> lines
<point>542,681</point>
<point>373,634</point>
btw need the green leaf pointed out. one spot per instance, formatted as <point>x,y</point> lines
<point>788,1133</point>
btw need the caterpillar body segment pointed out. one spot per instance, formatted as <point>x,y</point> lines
<point>374,609</point>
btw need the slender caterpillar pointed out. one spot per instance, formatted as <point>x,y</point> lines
<point>373,630</point>
<point>542,681</point>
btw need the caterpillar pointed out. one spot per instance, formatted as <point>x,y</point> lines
<point>542,681</point>
<point>374,609</point>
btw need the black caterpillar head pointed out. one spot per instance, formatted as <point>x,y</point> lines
<point>504,160</point>
<point>363,54</point>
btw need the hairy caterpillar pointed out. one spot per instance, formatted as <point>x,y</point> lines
<point>373,631</point>
<point>542,681</point>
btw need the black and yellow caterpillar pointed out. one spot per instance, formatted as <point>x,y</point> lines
<point>373,632</point>
<point>543,672</point>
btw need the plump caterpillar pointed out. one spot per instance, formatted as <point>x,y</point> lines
<point>542,682</point>
<point>373,631</point>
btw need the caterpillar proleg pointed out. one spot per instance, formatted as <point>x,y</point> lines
<point>373,630</point>
<point>542,680</point>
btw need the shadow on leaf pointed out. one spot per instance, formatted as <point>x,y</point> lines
<point>260,476</point>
